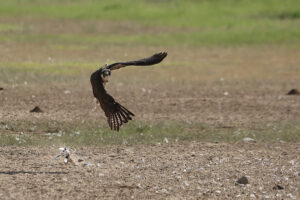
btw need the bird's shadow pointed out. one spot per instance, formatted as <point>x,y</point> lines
<point>30,172</point>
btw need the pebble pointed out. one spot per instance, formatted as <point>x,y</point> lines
<point>243,180</point>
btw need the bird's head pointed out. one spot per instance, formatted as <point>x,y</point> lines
<point>105,74</point>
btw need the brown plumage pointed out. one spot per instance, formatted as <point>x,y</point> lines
<point>115,113</point>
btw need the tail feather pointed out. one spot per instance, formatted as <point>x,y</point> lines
<point>118,117</point>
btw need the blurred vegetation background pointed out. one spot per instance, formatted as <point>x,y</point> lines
<point>169,22</point>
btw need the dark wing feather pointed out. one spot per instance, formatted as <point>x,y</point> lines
<point>156,58</point>
<point>115,113</point>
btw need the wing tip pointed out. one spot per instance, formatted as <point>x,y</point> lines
<point>161,55</point>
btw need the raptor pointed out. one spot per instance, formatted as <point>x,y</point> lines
<point>115,113</point>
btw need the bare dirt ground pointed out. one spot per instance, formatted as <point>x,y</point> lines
<point>223,87</point>
<point>177,171</point>
<point>240,88</point>
<point>215,96</point>
<point>71,102</point>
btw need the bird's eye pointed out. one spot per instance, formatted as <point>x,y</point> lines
<point>106,73</point>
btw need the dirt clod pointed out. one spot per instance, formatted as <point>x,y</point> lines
<point>293,92</point>
<point>278,187</point>
<point>36,109</point>
<point>244,180</point>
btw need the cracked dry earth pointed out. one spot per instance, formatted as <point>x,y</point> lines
<point>169,171</point>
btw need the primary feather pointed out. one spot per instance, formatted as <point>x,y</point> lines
<point>156,58</point>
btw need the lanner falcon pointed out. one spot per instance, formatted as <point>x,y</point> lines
<point>116,113</point>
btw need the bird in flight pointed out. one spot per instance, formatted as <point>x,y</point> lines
<point>115,113</point>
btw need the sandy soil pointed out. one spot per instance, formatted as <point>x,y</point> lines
<point>177,171</point>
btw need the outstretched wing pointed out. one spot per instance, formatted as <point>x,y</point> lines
<point>156,58</point>
<point>115,113</point>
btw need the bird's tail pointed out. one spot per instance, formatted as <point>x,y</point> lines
<point>119,117</point>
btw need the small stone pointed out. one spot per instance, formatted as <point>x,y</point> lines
<point>292,162</point>
<point>278,187</point>
<point>247,139</point>
<point>186,184</point>
<point>244,180</point>
<point>166,140</point>
<point>88,164</point>
<point>77,133</point>
<point>293,92</point>
<point>36,109</point>
<point>218,192</point>
<point>291,196</point>
<point>1,88</point>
